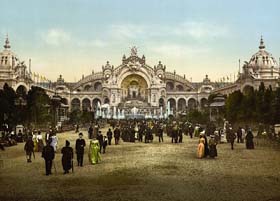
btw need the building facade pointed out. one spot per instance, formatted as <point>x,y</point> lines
<point>262,67</point>
<point>134,86</point>
<point>13,71</point>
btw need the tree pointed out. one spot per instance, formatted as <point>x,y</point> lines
<point>260,103</point>
<point>276,107</point>
<point>233,105</point>
<point>8,110</point>
<point>38,103</point>
<point>246,111</point>
<point>195,116</point>
<point>75,116</point>
<point>268,99</point>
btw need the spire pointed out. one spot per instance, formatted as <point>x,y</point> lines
<point>29,66</point>
<point>262,46</point>
<point>7,43</point>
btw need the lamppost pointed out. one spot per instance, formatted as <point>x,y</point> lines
<point>56,105</point>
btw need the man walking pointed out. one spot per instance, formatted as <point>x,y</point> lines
<point>231,137</point>
<point>100,140</point>
<point>80,146</point>
<point>109,135</point>
<point>239,135</point>
<point>160,134</point>
<point>117,134</point>
<point>191,130</point>
<point>48,155</point>
<point>90,132</point>
<point>29,148</point>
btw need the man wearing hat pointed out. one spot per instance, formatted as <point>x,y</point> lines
<point>100,140</point>
<point>80,146</point>
<point>48,155</point>
<point>117,134</point>
<point>29,148</point>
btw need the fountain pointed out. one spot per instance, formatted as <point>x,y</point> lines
<point>103,114</point>
<point>161,113</point>
<point>168,109</point>
<point>155,114</point>
<point>119,114</point>
<point>98,110</point>
<point>134,111</point>
<point>109,113</point>
<point>115,113</point>
<point>122,114</point>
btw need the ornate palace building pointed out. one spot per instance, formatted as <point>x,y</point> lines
<point>135,86</point>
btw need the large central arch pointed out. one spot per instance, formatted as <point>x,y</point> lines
<point>143,74</point>
<point>134,86</point>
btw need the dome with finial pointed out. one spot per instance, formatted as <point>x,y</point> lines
<point>7,57</point>
<point>206,80</point>
<point>7,43</point>
<point>262,64</point>
<point>262,58</point>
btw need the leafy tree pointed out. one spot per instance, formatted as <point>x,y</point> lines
<point>8,110</point>
<point>276,107</point>
<point>246,112</point>
<point>260,102</point>
<point>233,105</point>
<point>196,116</point>
<point>75,117</point>
<point>86,117</point>
<point>38,103</point>
<point>268,99</point>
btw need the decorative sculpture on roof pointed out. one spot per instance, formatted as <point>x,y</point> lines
<point>133,51</point>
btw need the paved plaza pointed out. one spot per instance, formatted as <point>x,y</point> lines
<point>139,171</point>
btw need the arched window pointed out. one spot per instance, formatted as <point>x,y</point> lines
<point>182,104</point>
<point>86,104</point>
<point>97,86</point>
<point>75,104</point>
<point>172,102</point>
<point>169,86</point>
<point>192,103</point>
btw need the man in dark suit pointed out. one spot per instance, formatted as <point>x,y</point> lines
<point>48,155</point>
<point>80,147</point>
<point>117,134</point>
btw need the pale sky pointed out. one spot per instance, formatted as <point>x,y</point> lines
<point>198,37</point>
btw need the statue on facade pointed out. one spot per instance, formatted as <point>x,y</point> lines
<point>133,51</point>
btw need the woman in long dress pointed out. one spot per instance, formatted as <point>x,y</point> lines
<point>200,148</point>
<point>94,154</point>
<point>212,147</point>
<point>54,142</point>
<point>249,140</point>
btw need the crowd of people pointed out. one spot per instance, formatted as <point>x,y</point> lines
<point>127,131</point>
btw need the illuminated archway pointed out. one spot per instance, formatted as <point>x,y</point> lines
<point>134,86</point>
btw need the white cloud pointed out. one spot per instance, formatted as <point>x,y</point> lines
<point>56,37</point>
<point>93,43</point>
<point>200,30</point>
<point>124,31</point>
<point>178,51</point>
<point>191,29</point>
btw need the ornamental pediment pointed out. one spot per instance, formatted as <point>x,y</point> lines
<point>133,60</point>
